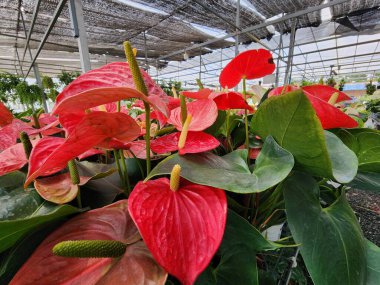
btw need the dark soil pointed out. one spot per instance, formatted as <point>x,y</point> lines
<point>367,208</point>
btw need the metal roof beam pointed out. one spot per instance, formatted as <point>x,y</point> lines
<point>34,17</point>
<point>258,26</point>
<point>56,14</point>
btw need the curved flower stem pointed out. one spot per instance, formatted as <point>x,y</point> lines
<point>115,154</point>
<point>147,136</point>
<point>125,172</point>
<point>228,131</point>
<point>118,106</point>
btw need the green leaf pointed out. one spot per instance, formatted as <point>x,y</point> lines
<point>373,264</point>
<point>231,171</point>
<point>333,246</point>
<point>367,181</point>
<point>21,212</point>
<point>292,121</point>
<point>241,243</point>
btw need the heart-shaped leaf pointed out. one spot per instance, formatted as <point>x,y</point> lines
<point>97,128</point>
<point>291,117</point>
<point>183,229</point>
<point>330,237</point>
<point>367,181</point>
<point>204,113</point>
<point>231,172</point>
<point>109,223</point>
<point>373,263</point>
<point>237,265</point>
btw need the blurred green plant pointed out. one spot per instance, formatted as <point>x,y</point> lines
<point>371,88</point>
<point>66,77</point>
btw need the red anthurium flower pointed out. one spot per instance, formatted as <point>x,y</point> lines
<point>162,119</point>
<point>330,116</point>
<point>324,92</point>
<point>195,142</point>
<point>109,83</point>
<point>282,90</point>
<point>96,129</point>
<point>182,224</point>
<point>201,94</point>
<point>6,116</point>
<point>230,100</point>
<point>59,189</point>
<point>13,158</point>
<point>138,148</point>
<point>249,64</point>
<point>11,132</point>
<point>113,222</point>
<point>91,152</point>
<point>204,113</point>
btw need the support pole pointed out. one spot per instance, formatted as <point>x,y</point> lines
<point>280,47</point>
<point>78,25</point>
<point>237,27</point>
<point>291,52</point>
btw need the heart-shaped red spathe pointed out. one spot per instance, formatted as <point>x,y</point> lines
<point>195,142</point>
<point>282,90</point>
<point>204,113</point>
<point>112,222</point>
<point>250,64</point>
<point>6,116</point>
<point>11,132</point>
<point>201,94</point>
<point>229,101</point>
<point>324,92</point>
<point>96,129</point>
<point>182,229</point>
<point>13,158</point>
<point>116,74</point>
<point>330,116</point>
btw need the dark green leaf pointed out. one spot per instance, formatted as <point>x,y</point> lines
<point>214,130</point>
<point>367,181</point>
<point>373,264</point>
<point>241,243</point>
<point>332,244</point>
<point>292,121</point>
<point>231,172</point>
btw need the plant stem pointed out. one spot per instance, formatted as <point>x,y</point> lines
<point>147,136</point>
<point>118,106</point>
<point>246,118</point>
<point>125,171</point>
<point>228,137</point>
<point>119,168</point>
<point>138,163</point>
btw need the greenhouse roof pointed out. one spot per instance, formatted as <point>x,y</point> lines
<point>187,39</point>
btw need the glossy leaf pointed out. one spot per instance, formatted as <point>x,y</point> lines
<point>182,229</point>
<point>109,223</point>
<point>369,151</point>
<point>204,113</point>
<point>195,142</point>
<point>367,181</point>
<point>250,64</point>
<point>231,172</point>
<point>13,158</point>
<point>330,237</point>
<point>230,101</point>
<point>6,116</point>
<point>95,129</point>
<point>291,117</point>
<point>237,265</point>
<point>58,189</point>
<point>21,212</point>
<point>373,263</point>
<point>324,92</point>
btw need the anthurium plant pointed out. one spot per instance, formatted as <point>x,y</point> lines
<point>124,184</point>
